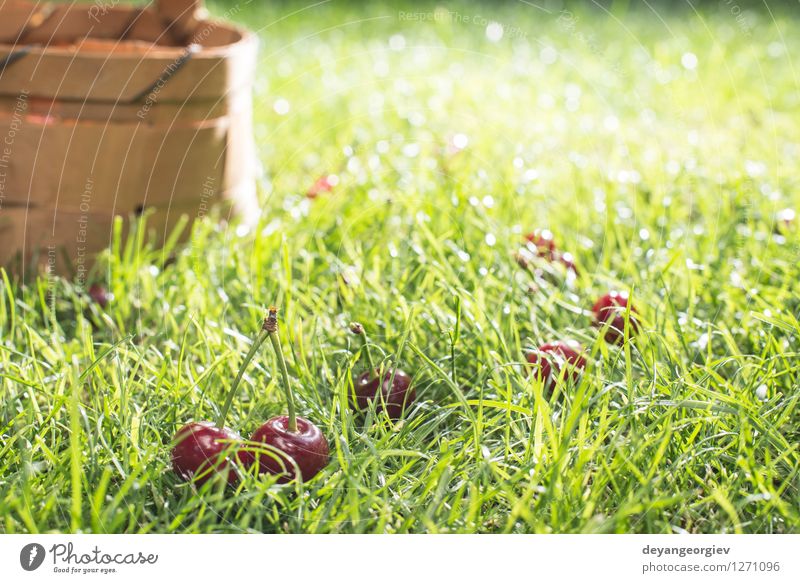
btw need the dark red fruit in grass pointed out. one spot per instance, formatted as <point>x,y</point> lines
<point>322,185</point>
<point>199,450</point>
<point>543,242</point>
<point>394,394</point>
<point>550,358</point>
<point>306,448</point>
<point>99,295</point>
<point>612,307</point>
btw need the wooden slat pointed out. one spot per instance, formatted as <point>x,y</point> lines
<point>160,114</point>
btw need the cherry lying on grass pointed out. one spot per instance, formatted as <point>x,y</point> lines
<point>391,387</point>
<point>541,243</point>
<point>287,445</point>
<point>324,184</point>
<point>610,311</point>
<point>549,359</point>
<point>203,449</point>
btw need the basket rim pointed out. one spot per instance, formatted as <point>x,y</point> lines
<point>245,37</point>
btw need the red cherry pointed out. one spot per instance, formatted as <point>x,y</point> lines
<point>306,448</point>
<point>456,144</point>
<point>322,185</point>
<point>99,295</point>
<point>396,392</point>
<point>543,242</point>
<point>200,449</point>
<point>612,307</point>
<point>785,220</point>
<point>550,358</point>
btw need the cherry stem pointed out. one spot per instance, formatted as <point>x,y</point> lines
<point>358,330</point>
<point>232,393</point>
<point>271,326</point>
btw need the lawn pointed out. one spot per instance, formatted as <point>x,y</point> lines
<point>658,145</point>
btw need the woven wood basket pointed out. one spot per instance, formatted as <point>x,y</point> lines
<point>110,110</point>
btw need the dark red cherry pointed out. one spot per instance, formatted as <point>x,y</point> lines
<point>550,358</point>
<point>201,449</point>
<point>323,185</point>
<point>305,448</point>
<point>394,394</point>
<point>543,242</point>
<point>100,295</point>
<point>612,308</point>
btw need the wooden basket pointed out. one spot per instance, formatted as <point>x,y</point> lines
<point>109,110</point>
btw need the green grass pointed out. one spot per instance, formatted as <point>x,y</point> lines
<point>660,179</point>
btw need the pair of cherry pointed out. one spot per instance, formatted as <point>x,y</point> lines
<point>288,446</point>
<point>610,314</point>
